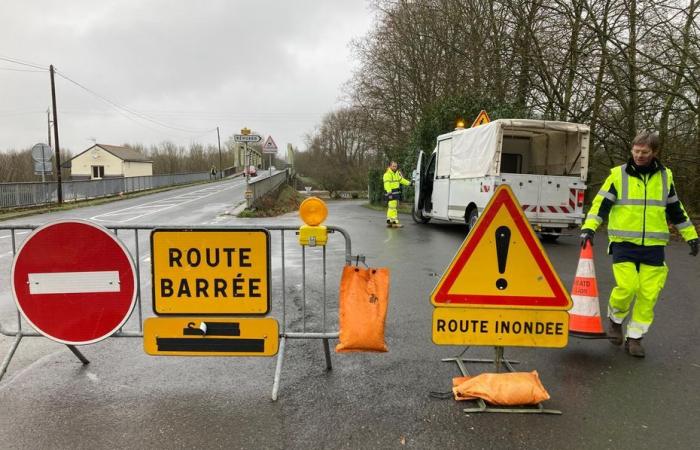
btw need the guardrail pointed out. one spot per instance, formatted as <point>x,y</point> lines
<point>299,317</point>
<point>263,183</point>
<point>31,193</point>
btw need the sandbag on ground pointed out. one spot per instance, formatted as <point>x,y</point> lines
<point>505,389</point>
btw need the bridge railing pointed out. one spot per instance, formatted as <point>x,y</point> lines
<point>14,195</point>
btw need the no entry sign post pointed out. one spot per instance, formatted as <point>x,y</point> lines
<point>74,282</point>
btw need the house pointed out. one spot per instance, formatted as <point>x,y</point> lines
<point>108,161</point>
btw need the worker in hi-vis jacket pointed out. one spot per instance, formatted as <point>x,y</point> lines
<point>392,190</point>
<point>639,199</point>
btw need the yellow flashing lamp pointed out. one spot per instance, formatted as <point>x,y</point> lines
<point>460,124</point>
<point>313,212</point>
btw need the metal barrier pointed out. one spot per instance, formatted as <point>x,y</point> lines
<point>29,193</point>
<point>261,185</point>
<point>311,324</point>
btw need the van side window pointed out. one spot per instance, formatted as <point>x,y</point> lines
<point>444,158</point>
<point>511,163</point>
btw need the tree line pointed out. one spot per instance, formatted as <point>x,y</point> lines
<point>618,66</point>
<point>167,157</point>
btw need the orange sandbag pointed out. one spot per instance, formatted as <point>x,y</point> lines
<point>507,389</point>
<point>364,298</point>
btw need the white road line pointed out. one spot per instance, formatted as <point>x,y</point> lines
<point>207,191</point>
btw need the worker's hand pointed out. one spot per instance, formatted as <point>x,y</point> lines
<point>693,243</point>
<point>587,237</point>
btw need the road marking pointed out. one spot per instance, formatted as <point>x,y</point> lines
<point>74,282</point>
<point>155,206</point>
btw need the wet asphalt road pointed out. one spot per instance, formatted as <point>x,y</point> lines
<point>125,398</point>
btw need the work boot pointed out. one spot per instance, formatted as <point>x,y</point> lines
<point>388,223</point>
<point>634,347</point>
<point>615,333</point>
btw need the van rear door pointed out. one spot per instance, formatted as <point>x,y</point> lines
<point>527,190</point>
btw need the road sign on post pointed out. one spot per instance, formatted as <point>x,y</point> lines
<point>247,138</point>
<point>210,272</point>
<point>74,282</point>
<point>269,146</point>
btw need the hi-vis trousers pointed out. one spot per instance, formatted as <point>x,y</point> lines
<point>645,284</point>
<point>392,213</point>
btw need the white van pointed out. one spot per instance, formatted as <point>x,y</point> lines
<point>544,162</point>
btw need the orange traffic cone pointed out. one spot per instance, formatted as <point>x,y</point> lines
<point>584,316</point>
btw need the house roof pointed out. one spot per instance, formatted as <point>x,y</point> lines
<point>123,153</point>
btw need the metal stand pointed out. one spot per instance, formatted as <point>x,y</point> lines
<point>497,361</point>
<point>77,353</point>
<point>8,358</point>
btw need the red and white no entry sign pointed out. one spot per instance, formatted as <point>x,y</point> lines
<point>74,282</point>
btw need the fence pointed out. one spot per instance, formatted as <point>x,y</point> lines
<point>311,321</point>
<point>262,184</point>
<point>29,193</point>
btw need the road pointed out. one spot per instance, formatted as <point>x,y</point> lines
<point>128,399</point>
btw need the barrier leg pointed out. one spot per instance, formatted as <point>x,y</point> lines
<point>327,352</point>
<point>8,358</point>
<point>77,353</point>
<point>278,369</point>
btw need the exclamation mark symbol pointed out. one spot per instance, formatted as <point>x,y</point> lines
<point>502,244</point>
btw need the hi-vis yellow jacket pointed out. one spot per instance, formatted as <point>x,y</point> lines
<point>638,206</point>
<point>393,181</point>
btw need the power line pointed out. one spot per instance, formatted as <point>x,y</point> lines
<point>130,111</point>
<point>22,70</point>
<point>23,63</point>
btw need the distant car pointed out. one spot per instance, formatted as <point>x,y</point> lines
<point>252,171</point>
<point>273,168</point>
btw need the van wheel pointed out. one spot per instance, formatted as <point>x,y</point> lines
<point>471,218</point>
<point>418,216</point>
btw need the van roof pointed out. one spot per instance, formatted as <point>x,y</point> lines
<point>537,126</point>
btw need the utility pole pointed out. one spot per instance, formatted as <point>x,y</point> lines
<point>218,138</point>
<point>48,122</point>
<point>59,189</point>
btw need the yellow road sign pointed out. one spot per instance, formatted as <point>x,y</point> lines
<point>210,336</point>
<point>500,327</point>
<point>209,272</point>
<point>481,119</point>
<point>501,263</point>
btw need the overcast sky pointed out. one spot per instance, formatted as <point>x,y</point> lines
<point>274,66</point>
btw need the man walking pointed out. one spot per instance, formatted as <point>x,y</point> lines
<point>392,189</point>
<point>638,199</point>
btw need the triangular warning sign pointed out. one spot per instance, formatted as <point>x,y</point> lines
<point>501,263</point>
<point>481,119</point>
<point>269,144</point>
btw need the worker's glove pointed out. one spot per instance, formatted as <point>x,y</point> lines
<point>587,237</point>
<point>693,243</point>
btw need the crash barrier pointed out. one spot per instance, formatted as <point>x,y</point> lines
<point>299,300</point>
<point>264,183</point>
<point>29,193</point>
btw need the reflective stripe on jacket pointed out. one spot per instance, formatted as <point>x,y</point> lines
<point>393,180</point>
<point>638,206</point>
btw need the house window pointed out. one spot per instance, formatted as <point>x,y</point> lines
<point>98,172</point>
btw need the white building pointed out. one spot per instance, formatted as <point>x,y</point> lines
<point>109,161</point>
